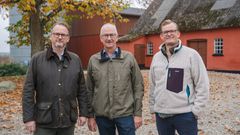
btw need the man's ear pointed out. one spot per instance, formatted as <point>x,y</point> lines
<point>178,34</point>
<point>101,39</point>
<point>50,37</point>
<point>68,39</point>
<point>161,36</point>
<point>117,38</point>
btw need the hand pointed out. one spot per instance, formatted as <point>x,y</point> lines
<point>137,121</point>
<point>30,126</point>
<point>153,117</point>
<point>92,126</point>
<point>81,121</point>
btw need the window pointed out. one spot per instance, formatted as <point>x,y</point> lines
<point>150,48</point>
<point>218,47</point>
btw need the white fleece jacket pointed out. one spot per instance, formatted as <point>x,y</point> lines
<point>194,89</point>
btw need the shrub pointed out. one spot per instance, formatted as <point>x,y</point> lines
<point>12,69</point>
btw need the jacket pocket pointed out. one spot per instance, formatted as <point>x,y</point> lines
<point>175,79</point>
<point>44,113</point>
<point>73,111</point>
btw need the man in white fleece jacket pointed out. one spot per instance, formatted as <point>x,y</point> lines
<point>179,84</point>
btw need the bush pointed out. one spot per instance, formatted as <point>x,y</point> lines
<point>12,69</point>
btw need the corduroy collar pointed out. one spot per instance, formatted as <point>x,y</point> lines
<point>105,57</point>
<point>51,54</point>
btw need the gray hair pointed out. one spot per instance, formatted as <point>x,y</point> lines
<point>108,25</point>
<point>61,24</point>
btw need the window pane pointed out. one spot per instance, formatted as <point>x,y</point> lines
<point>218,45</point>
<point>149,49</point>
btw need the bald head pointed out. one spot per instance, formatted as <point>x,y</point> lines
<point>108,26</point>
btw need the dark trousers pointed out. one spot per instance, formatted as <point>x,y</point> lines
<point>124,125</point>
<point>55,131</point>
<point>185,124</point>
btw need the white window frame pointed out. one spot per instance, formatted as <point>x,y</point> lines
<point>218,46</point>
<point>149,48</point>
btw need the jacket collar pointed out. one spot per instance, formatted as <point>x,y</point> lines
<point>104,56</point>
<point>172,50</point>
<point>51,54</point>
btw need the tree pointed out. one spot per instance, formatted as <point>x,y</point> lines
<point>39,15</point>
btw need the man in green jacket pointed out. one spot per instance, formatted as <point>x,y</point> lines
<point>115,87</point>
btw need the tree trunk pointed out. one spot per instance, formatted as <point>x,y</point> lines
<point>36,31</point>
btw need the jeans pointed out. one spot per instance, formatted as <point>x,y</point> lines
<point>125,125</point>
<point>185,124</point>
<point>55,131</point>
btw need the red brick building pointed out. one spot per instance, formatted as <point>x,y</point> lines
<point>211,27</point>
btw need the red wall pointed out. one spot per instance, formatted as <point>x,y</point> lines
<point>124,27</point>
<point>129,46</point>
<point>155,39</point>
<point>83,27</point>
<point>231,47</point>
<point>85,35</point>
<point>85,46</point>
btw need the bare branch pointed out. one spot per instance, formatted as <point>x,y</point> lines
<point>52,14</point>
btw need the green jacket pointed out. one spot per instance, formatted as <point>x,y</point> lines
<point>115,86</point>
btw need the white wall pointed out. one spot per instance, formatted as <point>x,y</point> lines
<point>4,35</point>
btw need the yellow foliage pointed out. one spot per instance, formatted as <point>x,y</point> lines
<point>51,1</point>
<point>50,10</point>
<point>46,9</point>
<point>125,20</point>
<point>27,7</point>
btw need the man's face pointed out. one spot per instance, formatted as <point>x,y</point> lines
<point>59,37</point>
<point>170,34</point>
<point>109,37</point>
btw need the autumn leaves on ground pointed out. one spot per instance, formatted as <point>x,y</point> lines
<point>10,102</point>
<point>221,117</point>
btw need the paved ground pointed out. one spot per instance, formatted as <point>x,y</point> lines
<point>222,116</point>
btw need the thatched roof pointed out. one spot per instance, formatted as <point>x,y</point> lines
<point>132,11</point>
<point>190,15</point>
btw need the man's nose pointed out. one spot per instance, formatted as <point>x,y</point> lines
<point>60,36</point>
<point>109,37</point>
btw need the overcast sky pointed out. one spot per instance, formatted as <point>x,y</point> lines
<point>4,47</point>
<point>135,4</point>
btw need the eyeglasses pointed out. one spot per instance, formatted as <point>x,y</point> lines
<point>60,34</point>
<point>169,31</point>
<point>112,35</point>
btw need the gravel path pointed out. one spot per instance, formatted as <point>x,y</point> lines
<point>221,117</point>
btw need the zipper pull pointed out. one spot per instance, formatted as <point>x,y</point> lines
<point>188,92</point>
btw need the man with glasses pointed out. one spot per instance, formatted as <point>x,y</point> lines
<point>179,84</point>
<point>55,90</point>
<point>115,86</point>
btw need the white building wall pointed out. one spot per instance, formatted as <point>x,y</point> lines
<point>18,54</point>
